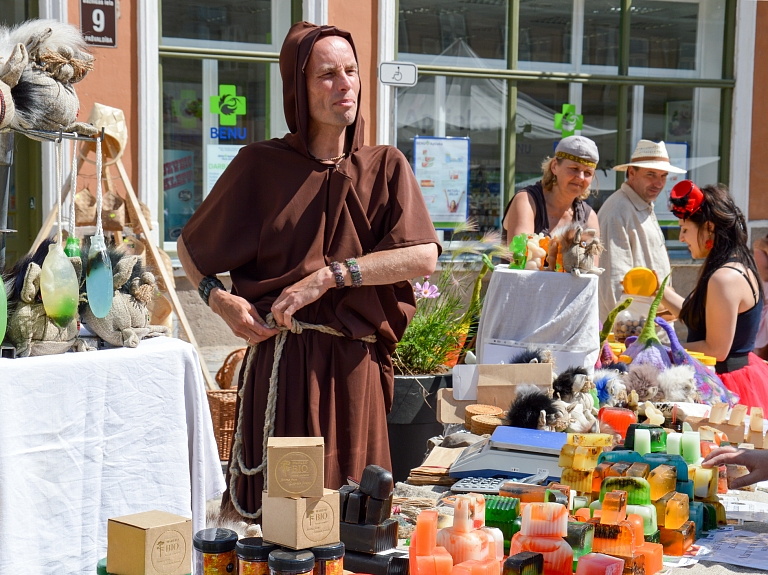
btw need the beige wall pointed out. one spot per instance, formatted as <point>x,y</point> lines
<point>360,18</point>
<point>758,178</point>
<point>114,81</point>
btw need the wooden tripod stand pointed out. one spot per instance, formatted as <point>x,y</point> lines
<point>143,227</point>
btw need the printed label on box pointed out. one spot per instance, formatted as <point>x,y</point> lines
<point>168,551</point>
<point>296,472</point>
<point>318,521</point>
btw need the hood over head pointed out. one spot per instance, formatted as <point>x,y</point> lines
<point>294,56</point>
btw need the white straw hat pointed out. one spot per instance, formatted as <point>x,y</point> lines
<point>650,155</point>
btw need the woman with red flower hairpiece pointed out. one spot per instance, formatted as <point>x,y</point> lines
<point>723,311</point>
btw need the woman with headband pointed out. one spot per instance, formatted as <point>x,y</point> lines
<point>558,198</point>
<point>723,311</point>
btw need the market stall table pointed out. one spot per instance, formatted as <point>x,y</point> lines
<point>89,436</point>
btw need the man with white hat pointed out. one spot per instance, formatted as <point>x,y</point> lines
<point>628,226</point>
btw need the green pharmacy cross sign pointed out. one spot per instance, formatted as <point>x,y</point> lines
<point>569,121</point>
<point>228,105</point>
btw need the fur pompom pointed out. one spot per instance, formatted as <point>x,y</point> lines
<point>529,405</point>
<point>532,355</point>
<point>644,379</point>
<point>678,384</point>
<point>569,382</point>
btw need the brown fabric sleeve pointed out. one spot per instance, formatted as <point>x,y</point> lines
<point>409,221</point>
<point>223,233</point>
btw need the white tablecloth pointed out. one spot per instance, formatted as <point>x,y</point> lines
<point>555,311</point>
<point>89,436</point>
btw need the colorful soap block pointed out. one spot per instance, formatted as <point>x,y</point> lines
<point>674,443</point>
<point>634,565</point>
<point>590,439</point>
<point>545,520</point>
<point>425,558</point>
<point>685,487</point>
<point>639,526</point>
<point>696,514</point>
<point>638,470</point>
<point>722,479</point>
<point>558,555</point>
<point>735,471</point>
<point>638,489</point>
<point>618,469</point>
<point>524,563</point>
<point>661,507</point>
<point>677,541</point>
<point>691,446</point>
<point>472,567</point>
<point>618,539</point>
<point>556,496</point>
<point>641,441</point>
<point>525,492</point>
<point>710,517</point>
<point>705,482</point>
<point>614,507</point>
<point>656,433</point>
<point>566,455</point>
<point>585,457</point>
<point>707,447</point>
<point>662,480</point>
<point>600,564</point>
<point>583,514</point>
<point>463,541</point>
<point>617,419</point>
<point>654,557</point>
<point>677,511</point>
<point>653,537</point>
<point>580,481</point>
<point>648,513</point>
<point>580,537</point>
<point>619,455</point>
<point>656,459</point>
<point>579,502</point>
<point>501,512</point>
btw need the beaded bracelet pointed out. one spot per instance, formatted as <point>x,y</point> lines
<point>338,274</point>
<point>354,270</point>
<point>208,284</point>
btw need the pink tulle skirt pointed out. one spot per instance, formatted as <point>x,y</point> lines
<point>750,383</point>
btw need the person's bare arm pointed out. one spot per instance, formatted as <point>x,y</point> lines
<point>380,268</point>
<point>239,314</point>
<point>520,216</point>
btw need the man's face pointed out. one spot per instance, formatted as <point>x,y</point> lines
<point>646,182</point>
<point>333,83</point>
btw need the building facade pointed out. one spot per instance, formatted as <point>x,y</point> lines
<point>199,79</point>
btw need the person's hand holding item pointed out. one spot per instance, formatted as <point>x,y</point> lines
<point>755,460</point>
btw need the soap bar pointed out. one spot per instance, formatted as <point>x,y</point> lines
<point>691,446</point>
<point>638,490</point>
<point>599,474</point>
<point>580,481</point>
<point>617,419</point>
<point>696,514</point>
<point>377,482</point>
<point>391,563</point>
<point>618,539</point>
<point>662,480</point>
<point>524,563</point>
<point>677,512</point>
<point>654,557</point>
<point>619,455</point>
<point>525,492</point>
<point>474,567</point>
<point>618,469</point>
<point>579,502</point>
<point>369,538</point>
<point>614,507</point>
<point>591,439</point>
<point>355,512</point>
<point>545,520</point>
<point>424,537</point>
<point>661,508</point>
<point>500,512</point>
<point>556,496</point>
<point>638,470</point>
<point>598,563</point>
<point>676,461</point>
<point>634,565</point>
<point>566,455</point>
<point>344,492</point>
<point>673,443</point>
<point>677,541</point>
<point>648,513</point>
<point>705,482</point>
<point>642,441</point>
<point>558,555</point>
<point>585,457</point>
<point>639,526</point>
<point>377,510</point>
<point>580,537</point>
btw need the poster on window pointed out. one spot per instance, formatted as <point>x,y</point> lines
<point>178,190</point>
<point>219,157</point>
<point>441,166</point>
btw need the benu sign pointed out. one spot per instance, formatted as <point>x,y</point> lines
<point>398,73</point>
<point>98,22</point>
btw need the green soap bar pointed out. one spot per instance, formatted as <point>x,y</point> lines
<point>710,517</point>
<point>580,537</point>
<point>556,496</point>
<point>648,513</point>
<point>638,489</point>
<point>653,537</point>
<point>579,502</point>
<point>525,563</point>
<point>501,512</point>
<point>658,437</point>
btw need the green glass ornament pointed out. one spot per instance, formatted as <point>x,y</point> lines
<point>72,247</point>
<point>59,287</point>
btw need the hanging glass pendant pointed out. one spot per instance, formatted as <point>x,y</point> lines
<point>72,247</point>
<point>98,278</point>
<point>59,287</point>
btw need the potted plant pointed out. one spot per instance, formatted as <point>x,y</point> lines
<point>431,345</point>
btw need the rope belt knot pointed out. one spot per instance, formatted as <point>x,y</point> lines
<point>238,466</point>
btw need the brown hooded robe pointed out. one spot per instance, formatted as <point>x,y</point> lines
<point>274,217</point>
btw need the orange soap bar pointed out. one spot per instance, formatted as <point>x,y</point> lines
<point>618,539</point>
<point>678,541</point>
<point>654,557</point>
<point>618,470</point>
<point>677,511</point>
<point>545,520</point>
<point>471,567</point>
<point>614,507</point>
<point>558,555</point>
<point>580,481</point>
<point>599,474</point>
<point>583,514</point>
<point>639,525</point>
<point>638,470</point>
<point>663,480</point>
<point>425,534</point>
<point>525,492</point>
<point>599,564</point>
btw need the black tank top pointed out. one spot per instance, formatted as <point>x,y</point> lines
<point>581,210</point>
<point>747,324</point>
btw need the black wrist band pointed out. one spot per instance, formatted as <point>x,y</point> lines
<point>208,284</point>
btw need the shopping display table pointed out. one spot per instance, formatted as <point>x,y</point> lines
<point>89,436</point>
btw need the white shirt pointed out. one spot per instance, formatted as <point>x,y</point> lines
<point>632,238</point>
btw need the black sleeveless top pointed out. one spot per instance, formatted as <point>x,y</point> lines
<point>747,324</point>
<point>581,210</point>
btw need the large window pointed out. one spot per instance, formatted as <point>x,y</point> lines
<point>668,86</point>
<point>220,93</point>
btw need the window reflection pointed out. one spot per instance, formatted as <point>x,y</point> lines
<point>247,21</point>
<point>663,34</point>
<point>545,30</point>
<point>601,32</point>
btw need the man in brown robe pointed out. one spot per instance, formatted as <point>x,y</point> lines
<point>279,216</point>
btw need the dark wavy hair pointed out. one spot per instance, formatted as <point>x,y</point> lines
<point>730,245</point>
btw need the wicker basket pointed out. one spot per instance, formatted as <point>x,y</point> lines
<point>479,409</point>
<point>485,424</point>
<point>222,403</point>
